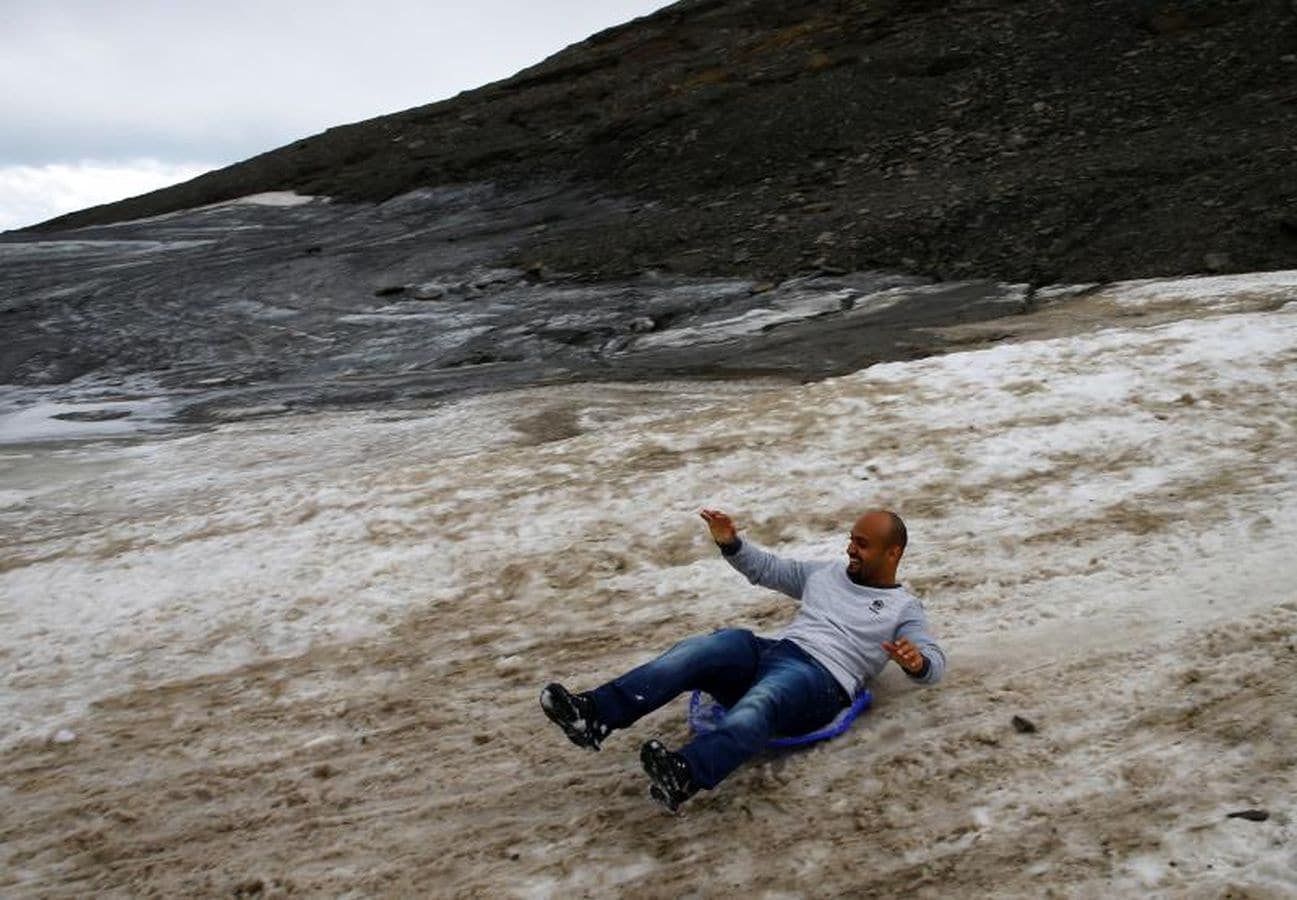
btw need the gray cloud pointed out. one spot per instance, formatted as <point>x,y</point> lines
<point>30,194</point>
<point>219,82</point>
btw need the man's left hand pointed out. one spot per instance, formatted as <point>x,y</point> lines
<point>907,655</point>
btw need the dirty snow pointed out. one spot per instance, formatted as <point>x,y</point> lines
<point>303,654</point>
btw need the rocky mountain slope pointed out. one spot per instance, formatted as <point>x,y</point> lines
<point>1079,140</point>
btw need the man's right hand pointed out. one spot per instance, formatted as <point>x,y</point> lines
<point>721,526</point>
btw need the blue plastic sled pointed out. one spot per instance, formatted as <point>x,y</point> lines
<point>705,715</point>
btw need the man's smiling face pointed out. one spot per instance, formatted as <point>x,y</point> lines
<point>872,550</point>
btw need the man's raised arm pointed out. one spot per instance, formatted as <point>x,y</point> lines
<point>788,576</point>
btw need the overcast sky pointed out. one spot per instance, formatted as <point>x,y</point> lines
<point>104,99</point>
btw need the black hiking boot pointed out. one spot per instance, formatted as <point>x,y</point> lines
<point>574,713</point>
<point>672,782</point>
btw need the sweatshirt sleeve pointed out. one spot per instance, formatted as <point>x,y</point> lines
<point>914,626</point>
<point>788,576</point>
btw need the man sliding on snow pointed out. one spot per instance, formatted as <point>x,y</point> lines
<point>851,620</point>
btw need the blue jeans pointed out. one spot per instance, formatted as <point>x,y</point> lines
<point>771,688</point>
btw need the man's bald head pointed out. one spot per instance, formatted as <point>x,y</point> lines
<point>887,525</point>
<point>878,539</point>
<point>900,536</point>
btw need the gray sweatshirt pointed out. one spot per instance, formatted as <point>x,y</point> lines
<point>840,623</point>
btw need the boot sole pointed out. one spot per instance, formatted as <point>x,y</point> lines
<point>563,714</point>
<point>659,796</point>
<point>665,789</point>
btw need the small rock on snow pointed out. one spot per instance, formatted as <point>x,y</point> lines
<point>1252,815</point>
<point>1023,726</point>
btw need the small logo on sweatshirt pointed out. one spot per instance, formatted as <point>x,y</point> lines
<point>876,606</point>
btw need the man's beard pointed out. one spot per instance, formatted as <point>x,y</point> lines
<point>855,572</point>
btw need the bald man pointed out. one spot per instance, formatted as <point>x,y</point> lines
<point>851,621</point>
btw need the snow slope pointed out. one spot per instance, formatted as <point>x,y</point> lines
<point>303,653</point>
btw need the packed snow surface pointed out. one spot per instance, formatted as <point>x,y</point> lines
<point>303,653</point>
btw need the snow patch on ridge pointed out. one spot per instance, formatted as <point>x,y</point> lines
<point>275,198</point>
